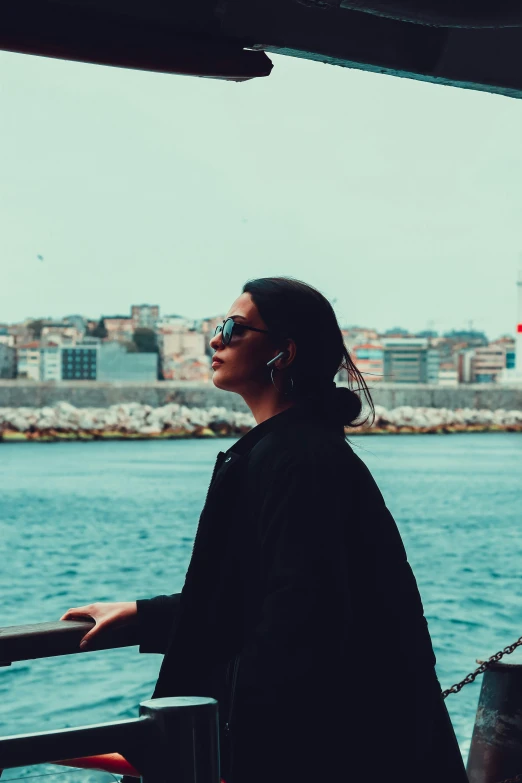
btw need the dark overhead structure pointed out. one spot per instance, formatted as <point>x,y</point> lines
<point>474,45</point>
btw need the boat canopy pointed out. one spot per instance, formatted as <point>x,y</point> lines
<point>456,42</point>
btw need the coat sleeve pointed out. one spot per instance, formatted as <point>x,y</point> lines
<point>304,608</point>
<point>156,619</point>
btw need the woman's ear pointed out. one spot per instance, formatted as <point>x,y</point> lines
<point>290,352</point>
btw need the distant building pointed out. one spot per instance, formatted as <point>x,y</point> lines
<point>465,365</point>
<point>207,327</point>
<point>60,334</point>
<point>513,370</point>
<point>396,332</point>
<point>448,374</point>
<point>51,362</point>
<point>78,321</point>
<point>176,323</point>
<point>433,365</point>
<point>21,334</point>
<point>28,361</point>
<point>405,360</point>
<point>176,346</point>
<point>144,316</point>
<point>369,360</point>
<point>115,363</point>
<point>7,362</point>
<point>6,338</point>
<point>358,335</point>
<point>120,328</point>
<point>79,362</point>
<point>489,362</point>
<point>509,346</point>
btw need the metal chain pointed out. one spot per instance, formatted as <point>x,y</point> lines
<point>473,675</point>
<point>482,668</point>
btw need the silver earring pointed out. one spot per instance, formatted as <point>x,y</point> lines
<point>279,390</point>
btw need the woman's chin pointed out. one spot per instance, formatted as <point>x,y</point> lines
<point>216,382</point>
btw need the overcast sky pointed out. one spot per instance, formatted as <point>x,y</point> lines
<point>399,199</point>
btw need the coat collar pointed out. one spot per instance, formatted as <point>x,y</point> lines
<point>288,418</point>
<point>228,461</point>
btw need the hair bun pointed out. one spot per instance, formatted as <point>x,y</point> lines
<point>347,405</point>
<point>340,403</point>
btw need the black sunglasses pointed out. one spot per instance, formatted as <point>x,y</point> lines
<point>229,327</point>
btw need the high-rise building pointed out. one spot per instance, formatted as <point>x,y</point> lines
<point>405,359</point>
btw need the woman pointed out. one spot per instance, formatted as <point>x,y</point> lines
<point>299,612</point>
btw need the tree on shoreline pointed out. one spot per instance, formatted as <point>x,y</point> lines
<point>99,330</point>
<point>145,340</point>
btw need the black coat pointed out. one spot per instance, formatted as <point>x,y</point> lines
<point>300,614</point>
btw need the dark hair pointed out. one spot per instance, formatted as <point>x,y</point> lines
<point>296,310</point>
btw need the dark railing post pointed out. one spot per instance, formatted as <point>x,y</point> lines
<point>175,740</point>
<point>183,740</point>
<point>496,744</point>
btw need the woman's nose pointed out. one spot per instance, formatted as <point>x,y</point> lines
<point>215,342</point>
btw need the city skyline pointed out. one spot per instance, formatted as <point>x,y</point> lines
<point>398,199</point>
<point>467,327</point>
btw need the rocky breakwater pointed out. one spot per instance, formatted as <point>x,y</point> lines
<point>134,421</point>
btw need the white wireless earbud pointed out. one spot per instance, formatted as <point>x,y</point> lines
<point>275,358</point>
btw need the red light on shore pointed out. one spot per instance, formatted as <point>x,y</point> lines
<point>519,328</point>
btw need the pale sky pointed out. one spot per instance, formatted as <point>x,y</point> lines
<point>402,200</point>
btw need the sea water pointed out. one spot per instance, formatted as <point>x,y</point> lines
<point>115,521</point>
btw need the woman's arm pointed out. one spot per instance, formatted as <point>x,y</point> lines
<point>156,618</point>
<point>152,617</point>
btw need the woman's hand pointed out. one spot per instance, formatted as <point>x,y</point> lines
<point>105,615</point>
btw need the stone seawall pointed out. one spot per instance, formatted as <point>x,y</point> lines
<point>89,394</point>
<point>132,420</point>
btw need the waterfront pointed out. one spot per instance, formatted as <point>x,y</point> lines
<point>82,522</point>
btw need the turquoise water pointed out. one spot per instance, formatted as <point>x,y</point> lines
<point>85,522</point>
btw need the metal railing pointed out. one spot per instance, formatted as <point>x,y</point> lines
<point>45,640</point>
<point>174,740</point>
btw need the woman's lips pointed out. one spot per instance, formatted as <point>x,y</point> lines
<point>216,362</point>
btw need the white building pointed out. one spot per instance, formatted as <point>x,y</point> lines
<point>51,363</point>
<point>6,338</point>
<point>28,361</point>
<point>448,374</point>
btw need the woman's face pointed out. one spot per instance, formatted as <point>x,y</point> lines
<point>243,361</point>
